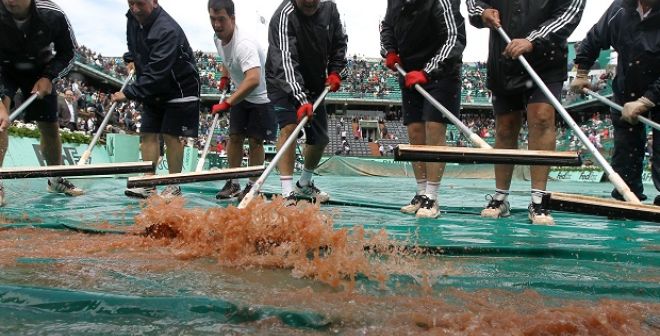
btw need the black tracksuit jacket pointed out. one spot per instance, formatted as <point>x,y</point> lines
<point>546,23</point>
<point>303,50</point>
<point>428,35</point>
<point>45,49</point>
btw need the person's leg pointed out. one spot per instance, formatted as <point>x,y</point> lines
<point>507,130</point>
<point>316,140</point>
<point>542,136</point>
<point>179,121</point>
<point>150,147</point>
<point>628,155</point>
<point>257,154</point>
<point>655,159</point>
<point>4,136</point>
<point>287,160</point>
<point>44,113</point>
<point>417,136</point>
<point>262,125</point>
<point>235,150</point>
<point>412,107</point>
<point>50,143</point>
<point>447,91</point>
<point>435,136</point>
<point>508,121</point>
<point>174,152</point>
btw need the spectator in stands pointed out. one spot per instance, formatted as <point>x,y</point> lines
<point>250,113</point>
<point>68,111</point>
<point>631,27</point>
<point>166,82</point>
<point>302,61</point>
<point>427,39</point>
<point>31,64</point>
<point>539,32</point>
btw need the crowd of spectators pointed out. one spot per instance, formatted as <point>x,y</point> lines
<point>114,66</point>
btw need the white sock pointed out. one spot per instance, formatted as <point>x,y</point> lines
<point>537,196</point>
<point>432,190</point>
<point>306,177</point>
<point>287,185</point>
<point>421,187</point>
<point>53,180</point>
<point>501,195</point>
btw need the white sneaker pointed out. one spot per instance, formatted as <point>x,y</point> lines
<point>311,191</point>
<point>428,208</point>
<point>63,186</point>
<point>496,209</point>
<point>538,214</point>
<point>413,206</point>
<point>140,192</point>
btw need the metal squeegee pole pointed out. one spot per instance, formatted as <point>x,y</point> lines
<point>22,108</point>
<point>209,137</point>
<point>99,132</point>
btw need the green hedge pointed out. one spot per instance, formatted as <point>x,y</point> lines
<point>67,137</point>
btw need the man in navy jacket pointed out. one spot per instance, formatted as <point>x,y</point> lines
<point>167,84</point>
<point>632,28</point>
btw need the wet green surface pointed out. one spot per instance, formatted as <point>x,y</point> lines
<point>583,257</point>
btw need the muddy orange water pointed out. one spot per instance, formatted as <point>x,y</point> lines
<point>292,258</point>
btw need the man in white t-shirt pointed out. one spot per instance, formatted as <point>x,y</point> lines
<point>250,113</point>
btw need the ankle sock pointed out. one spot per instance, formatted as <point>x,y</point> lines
<point>501,195</point>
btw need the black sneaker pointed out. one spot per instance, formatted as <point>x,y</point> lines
<point>230,190</point>
<point>414,205</point>
<point>245,191</point>
<point>656,201</point>
<point>428,209</point>
<point>496,208</point>
<point>539,214</point>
